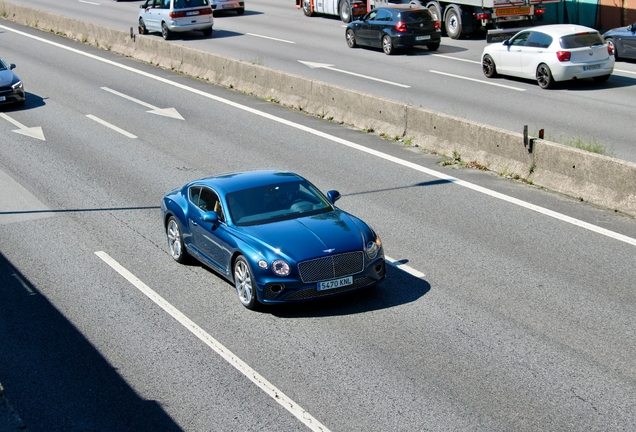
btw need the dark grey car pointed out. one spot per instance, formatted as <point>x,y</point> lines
<point>623,41</point>
<point>395,27</point>
<point>11,87</point>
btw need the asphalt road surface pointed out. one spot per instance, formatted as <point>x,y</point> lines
<point>507,307</point>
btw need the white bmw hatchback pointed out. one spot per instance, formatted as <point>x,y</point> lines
<point>551,53</point>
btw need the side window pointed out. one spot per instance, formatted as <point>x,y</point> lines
<point>539,40</point>
<point>372,15</point>
<point>383,15</point>
<point>194,193</point>
<point>209,201</point>
<point>165,4</point>
<point>521,39</point>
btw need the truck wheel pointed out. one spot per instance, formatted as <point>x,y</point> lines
<point>453,23</point>
<point>307,8</point>
<point>345,11</point>
<point>435,11</point>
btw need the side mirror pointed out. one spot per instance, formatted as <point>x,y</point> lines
<point>333,196</point>
<point>142,6</point>
<point>211,216</point>
<point>631,28</point>
<point>12,66</point>
<point>506,42</point>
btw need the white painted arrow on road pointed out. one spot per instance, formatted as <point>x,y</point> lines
<point>166,112</point>
<point>33,132</point>
<point>330,67</point>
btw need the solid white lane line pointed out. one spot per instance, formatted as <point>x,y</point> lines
<point>457,58</point>
<point>477,80</point>
<point>433,173</point>
<point>271,38</point>
<point>111,126</point>
<point>624,71</point>
<point>408,269</point>
<point>226,354</point>
<point>89,2</point>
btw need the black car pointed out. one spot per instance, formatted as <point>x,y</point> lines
<point>395,27</point>
<point>11,88</point>
<point>623,41</point>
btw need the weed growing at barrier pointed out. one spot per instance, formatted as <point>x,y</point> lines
<point>588,144</point>
<point>3,11</point>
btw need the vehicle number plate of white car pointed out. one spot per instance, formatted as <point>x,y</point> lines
<point>592,67</point>
<point>228,6</point>
<point>192,13</point>
<point>3,98</point>
<point>335,283</point>
<point>422,37</point>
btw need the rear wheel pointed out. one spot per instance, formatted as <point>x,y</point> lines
<point>240,11</point>
<point>207,32</point>
<point>489,67</point>
<point>387,45</point>
<point>453,24</point>
<point>245,286</point>
<point>344,10</point>
<point>544,76</point>
<point>433,47</point>
<point>165,31</point>
<point>307,8</point>
<point>175,241</point>
<point>612,45</point>
<point>351,38</point>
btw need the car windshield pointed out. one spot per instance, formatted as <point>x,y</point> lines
<point>2,65</point>
<point>183,4</point>
<point>581,40</point>
<point>276,202</point>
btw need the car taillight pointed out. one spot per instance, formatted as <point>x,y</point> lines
<point>564,55</point>
<point>205,12</point>
<point>482,16</point>
<point>610,51</point>
<point>539,10</point>
<point>436,25</point>
<point>400,26</point>
<point>177,14</point>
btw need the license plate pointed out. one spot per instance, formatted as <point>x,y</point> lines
<point>228,6</point>
<point>3,98</point>
<point>422,37</point>
<point>192,13</point>
<point>591,67</point>
<point>335,283</point>
<point>500,12</point>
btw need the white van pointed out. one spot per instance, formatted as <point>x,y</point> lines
<point>170,16</point>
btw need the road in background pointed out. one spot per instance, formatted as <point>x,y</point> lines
<point>521,321</point>
<point>277,35</point>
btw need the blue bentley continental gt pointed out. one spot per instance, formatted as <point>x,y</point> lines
<point>274,235</point>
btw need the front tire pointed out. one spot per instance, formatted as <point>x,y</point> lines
<point>165,31</point>
<point>351,38</point>
<point>344,10</point>
<point>387,45</point>
<point>489,67</point>
<point>544,76</point>
<point>245,286</point>
<point>142,27</point>
<point>175,241</point>
<point>453,24</point>
<point>307,8</point>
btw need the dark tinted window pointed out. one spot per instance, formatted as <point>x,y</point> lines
<point>539,40</point>
<point>383,15</point>
<point>416,16</point>
<point>582,40</point>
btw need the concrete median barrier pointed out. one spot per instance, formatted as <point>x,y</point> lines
<point>591,177</point>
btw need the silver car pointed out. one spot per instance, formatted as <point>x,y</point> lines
<point>229,5</point>
<point>171,16</point>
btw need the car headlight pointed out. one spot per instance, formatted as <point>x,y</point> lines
<point>280,267</point>
<point>17,85</point>
<point>373,247</point>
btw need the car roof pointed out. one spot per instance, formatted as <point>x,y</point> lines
<point>561,29</point>
<point>235,181</point>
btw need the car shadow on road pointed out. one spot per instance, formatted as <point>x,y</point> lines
<point>32,101</point>
<point>588,84</point>
<point>227,14</point>
<point>54,377</point>
<point>397,289</point>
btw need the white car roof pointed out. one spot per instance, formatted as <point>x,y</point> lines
<point>562,29</point>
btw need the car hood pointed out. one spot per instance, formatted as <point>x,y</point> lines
<point>6,78</point>
<point>310,237</point>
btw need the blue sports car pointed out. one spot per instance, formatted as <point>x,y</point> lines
<point>274,235</point>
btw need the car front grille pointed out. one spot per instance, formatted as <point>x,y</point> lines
<point>331,267</point>
<point>310,293</point>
